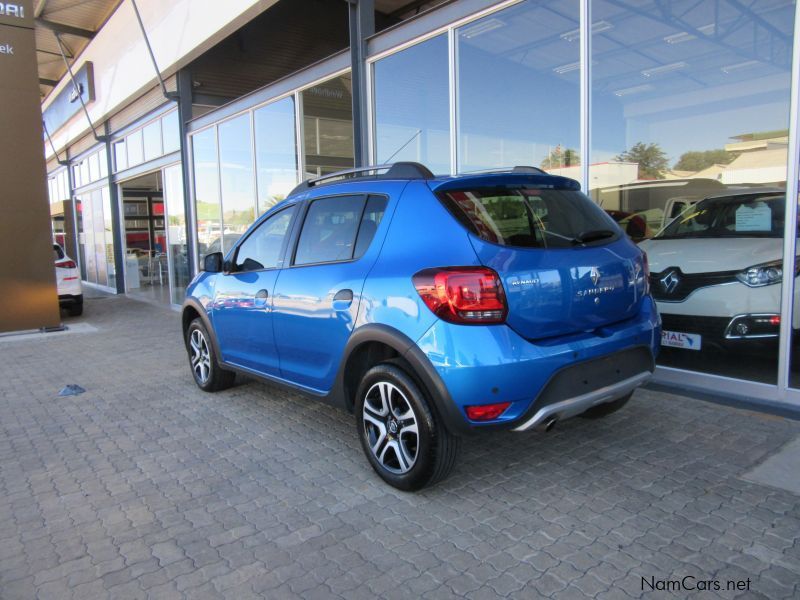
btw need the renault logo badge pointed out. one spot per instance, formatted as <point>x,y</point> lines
<point>670,281</point>
<point>594,274</point>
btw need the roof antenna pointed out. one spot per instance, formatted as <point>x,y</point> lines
<point>411,139</point>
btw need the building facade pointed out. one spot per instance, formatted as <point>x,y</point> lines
<point>651,106</point>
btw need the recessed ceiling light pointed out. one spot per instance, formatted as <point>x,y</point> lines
<point>685,36</point>
<point>638,89</point>
<point>482,27</point>
<point>676,66</point>
<point>739,66</point>
<point>598,27</point>
<point>573,66</point>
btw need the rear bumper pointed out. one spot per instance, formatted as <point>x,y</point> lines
<point>492,364</point>
<point>65,300</point>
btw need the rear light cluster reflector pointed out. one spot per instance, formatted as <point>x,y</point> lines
<point>465,295</point>
<point>486,412</point>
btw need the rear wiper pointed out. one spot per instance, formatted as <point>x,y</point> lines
<point>592,236</point>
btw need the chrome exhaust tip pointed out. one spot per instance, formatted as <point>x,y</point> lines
<point>549,423</point>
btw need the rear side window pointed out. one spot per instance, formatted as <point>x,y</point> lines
<point>329,230</point>
<point>373,214</point>
<point>58,253</point>
<point>529,217</point>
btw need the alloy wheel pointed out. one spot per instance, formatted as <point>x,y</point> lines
<point>201,357</point>
<point>391,427</point>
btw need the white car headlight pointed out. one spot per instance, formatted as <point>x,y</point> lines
<point>761,275</point>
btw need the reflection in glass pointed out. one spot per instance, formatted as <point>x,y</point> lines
<point>412,120</point>
<point>691,102</point>
<point>328,126</point>
<point>152,140</point>
<point>135,154</point>
<point>99,237</point>
<point>276,152</point>
<point>176,232</point>
<point>120,155</point>
<point>237,181</point>
<point>108,227</point>
<point>206,192</point>
<point>170,130</point>
<point>518,89</point>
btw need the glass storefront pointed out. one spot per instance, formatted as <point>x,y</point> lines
<point>692,102</point>
<point>95,237</point>
<point>412,119</point>
<point>276,152</point>
<point>176,233</point>
<point>237,182</point>
<point>328,126</point>
<point>206,192</point>
<point>678,113</point>
<point>518,93</point>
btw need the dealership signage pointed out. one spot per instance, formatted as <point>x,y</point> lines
<point>27,280</point>
<point>68,101</point>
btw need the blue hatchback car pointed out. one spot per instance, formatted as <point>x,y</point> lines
<point>430,307</point>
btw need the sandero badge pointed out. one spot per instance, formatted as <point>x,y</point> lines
<point>431,308</point>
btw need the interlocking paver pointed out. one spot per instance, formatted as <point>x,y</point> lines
<point>146,487</point>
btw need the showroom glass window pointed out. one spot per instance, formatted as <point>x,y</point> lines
<point>328,126</point>
<point>176,232</point>
<point>690,100</point>
<point>170,132</point>
<point>518,100</point>
<point>236,178</point>
<point>412,120</point>
<point>276,152</point>
<point>206,192</point>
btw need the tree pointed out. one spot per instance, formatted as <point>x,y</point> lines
<point>698,160</point>
<point>651,159</point>
<point>559,158</point>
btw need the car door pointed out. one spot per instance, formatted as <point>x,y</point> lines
<point>316,297</point>
<point>242,311</point>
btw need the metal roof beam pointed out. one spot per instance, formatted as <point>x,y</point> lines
<point>66,29</point>
<point>50,82</point>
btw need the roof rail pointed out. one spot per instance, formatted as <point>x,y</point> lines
<point>398,170</point>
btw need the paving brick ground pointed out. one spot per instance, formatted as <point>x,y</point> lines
<point>146,487</point>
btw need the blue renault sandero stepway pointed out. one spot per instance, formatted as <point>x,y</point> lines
<point>430,307</point>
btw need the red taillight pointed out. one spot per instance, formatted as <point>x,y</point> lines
<point>464,295</point>
<point>776,320</point>
<point>66,264</point>
<point>486,412</point>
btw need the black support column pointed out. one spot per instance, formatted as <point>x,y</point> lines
<point>117,216</point>
<point>362,25</point>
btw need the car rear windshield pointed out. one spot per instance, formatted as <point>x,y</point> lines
<point>530,217</point>
<point>748,216</point>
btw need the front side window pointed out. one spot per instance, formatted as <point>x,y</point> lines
<point>531,218</point>
<point>329,231</point>
<point>262,248</point>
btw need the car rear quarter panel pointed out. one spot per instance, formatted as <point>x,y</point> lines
<point>422,234</point>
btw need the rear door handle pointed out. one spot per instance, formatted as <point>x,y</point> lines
<point>261,298</point>
<point>343,299</point>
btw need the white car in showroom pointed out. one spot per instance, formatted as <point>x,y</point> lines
<point>716,270</point>
<point>68,282</point>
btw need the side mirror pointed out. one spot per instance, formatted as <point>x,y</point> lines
<point>212,263</point>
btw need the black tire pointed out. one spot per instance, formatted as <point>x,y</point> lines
<point>605,409</point>
<point>216,378</point>
<point>75,310</point>
<point>435,449</point>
